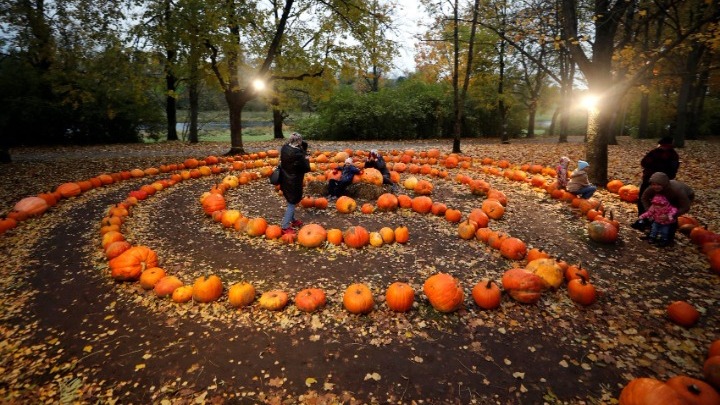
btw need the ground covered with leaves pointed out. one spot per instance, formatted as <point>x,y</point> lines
<point>72,334</point>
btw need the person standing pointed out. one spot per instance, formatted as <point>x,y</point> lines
<point>663,159</point>
<point>562,172</point>
<point>294,163</point>
<point>376,161</point>
<point>579,183</point>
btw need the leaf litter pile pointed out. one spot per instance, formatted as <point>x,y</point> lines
<point>73,335</point>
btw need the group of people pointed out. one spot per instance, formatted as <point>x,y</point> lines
<point>295,162</point>
<point>662,199</point>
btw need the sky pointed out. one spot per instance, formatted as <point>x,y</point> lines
<point>411,16</point>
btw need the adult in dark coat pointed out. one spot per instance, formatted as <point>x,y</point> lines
<point>679,194</point>
<point>375,160</point>
<point>662,159</point>
<point>294,163</point>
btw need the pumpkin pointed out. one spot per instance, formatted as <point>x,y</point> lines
<point>31,206</point>
<point>241,294</point>
<point>273,232</point>
<point>387,202</point>
<point>358,299</point>
<point>387,234</point>
<point>288,238</point>
<point>523,286</point>
<point>115,249</point>
<point>375,239</point>
<point>438,209</point>
<point>629,193</point>
<point>399,297</point>
<point>69,189</point>
<point>166,285</point>
<point>213,202</point>
<point>274,300</point>
<point>422,204</point>
<point>493,208</point>
<point>404,201</point>
<point>649,391</point>
<point>356,237</point>
<point>581,291</point>
<point>496,239</point>
<point>486,294</point>
<point>334,236</point>
<point>307,202</point>
<point>345,205</point>
<point>714,349</point>
<point>453,215</point>
<point>256,226</point>
<point>423,187</point>
<point>513,249</point>
<point>402,234</point>
<point>321,203</point>
<point>480,217</point>
<point>310,299</point>
<point>444,292</point>
<point>535,253</point>
<point>711,371</point>
<point>694,391</point>
<point>182,294</point>
<point>150,277</point>
<point>547,269</point>
<point>229,217</point>
<point>130,264</point>
<point>367,208</point>
<point>602,231</point>
<point>573,272</point>
<point>207,289</point>
<point>410,183</point>
<point>682,313</point>
<point>497,195</point>
<point>467,229</point>
<point>613,186</point>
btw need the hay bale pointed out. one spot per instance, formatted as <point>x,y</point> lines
<point>364,191</point>
<point>317,188</point>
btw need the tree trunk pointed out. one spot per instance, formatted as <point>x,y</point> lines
<point>236,102</point>
<point>194,95</point>
<point>684,100</point>
<point>553,122</point>
<point>644,120</point>
<point>596,150</point>
<point>532,112</point>
<point>171,104</point>
<point>278,118</point>
<point>457,112</point>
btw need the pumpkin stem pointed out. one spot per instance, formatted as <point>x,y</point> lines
<point>694,389</point>
<point>489,284</point>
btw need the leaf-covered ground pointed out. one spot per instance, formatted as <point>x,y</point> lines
<point>70,333</point>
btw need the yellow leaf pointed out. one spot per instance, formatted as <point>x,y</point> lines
<point>310,381</point>
<point>87,349</point>
<point>139,367</point>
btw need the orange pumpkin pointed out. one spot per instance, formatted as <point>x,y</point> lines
<point>602,231</point>
<point>256,226</point>
<point>311,235</point>
<point>422,204</point>
<point>404,201</point>
<point>150,277</point>
<point>711,371</point>
<point>523,286</point>
<point>182,294</point>
<point>367,208</point>
<point>479,217</point>
<point>69,189</point>
<point>453,215</point>
<point>629,193</point>
<point>345,205</point>
<point>241,294</point>
<point>581,291</point>
<point>335,236</point>
<point>573,272</point>
<point>307,202</point>
<point>467,229</point>
<point>513,249</point>
<point>166,285</point>
<point>399,297</point>
<point>497,195</point>
<point>402,234</point>
<point>321,203</point>
<point>115,249</point>
<point>486,294</point>
<point>694,391</point>
<point>423,187</point>
<point>207,289</point>
<point>274,300</point>
<point>356,237</point>
<point>387,234</point>
<point>213,202</point>
<point>649,391</point>
<point>130,264</point>
<point>358,299</point>
<point>683,313</point>
<point>387,202</point>
<point>31,206</point>
<point>613,186</point>
<point>493,208</point>
<point>444,292</point>
<point>535,253</point>
<point>273,232</point>
<point>310,299</point>
<point>714,349</point>
<point>438,209</point>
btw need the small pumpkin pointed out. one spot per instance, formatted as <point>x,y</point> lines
<point>345,205</point>
<point>467,229</point>
<point>479,217</point>
<point>311,235</point>
<point>453,215</point>
<point>682,313</point>
<point>444,292</point>
<point>402,234</point>
<point>182,294</point>
<point>256,226</point>
<point>310,299</point>
<point>375,239</point>
<point>207,289</point>
<point>387,234</point>
<point>274,300</point>
<point>581,291</point>
<point>493,208</point>
<point>399,297</point>
<point>649,391</point>
<point>694,391</point>
<point>166,285</point>
<point>513,249</point>
<point>241,294</point>
<point>356,237</point>
<point>358,299</point>
<point>116,248</point>
<point>486,294</point>
<point>150,277</point>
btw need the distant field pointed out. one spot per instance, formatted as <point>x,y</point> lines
<point>214,125</point>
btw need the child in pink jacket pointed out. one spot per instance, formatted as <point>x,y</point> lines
<point>663,216</point>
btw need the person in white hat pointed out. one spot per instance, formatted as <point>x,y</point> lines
<point>376,161</point>
<point>579,183</point>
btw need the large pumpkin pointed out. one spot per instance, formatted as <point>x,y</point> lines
<point>311,235</point>
<point>513,248</point>
<point>694,391</point>
<point>523,286</point>
<point>31,206</point>
<point>207,289</point>
<point>649,391</point>
<point>356,237</point>
<point>399,297</point>
<point>444,292</point>
<point>371,176</point>
<point>213,202</point>
<point>602,231</point>
<point>345,205</point>
<point>132,262</point>
<point>547,269</point>
<point>387,202</point>
<point>241,294</point>
<point>358,299</point>
<point>310,299</point>
<point>422,204</point>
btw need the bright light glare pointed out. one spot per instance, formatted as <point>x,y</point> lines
<point>590,101</point>
<point>258,84</point>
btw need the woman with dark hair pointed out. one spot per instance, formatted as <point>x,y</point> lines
<point>294,163</point>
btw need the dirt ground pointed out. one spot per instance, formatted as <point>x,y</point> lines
<point>71,334</point>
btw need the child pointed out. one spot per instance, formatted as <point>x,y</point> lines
<point>663,216</point>
<point>562,172</point>
<point>336,188</point>
<point>579,183</point>
<point>375,160</point>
